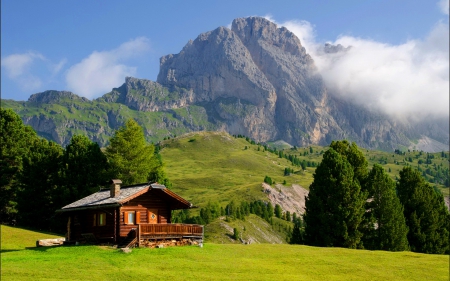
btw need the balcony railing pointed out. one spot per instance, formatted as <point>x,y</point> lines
<point>160,230</point>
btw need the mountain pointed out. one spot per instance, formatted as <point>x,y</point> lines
<point>254,79</point>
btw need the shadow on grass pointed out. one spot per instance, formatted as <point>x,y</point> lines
<point>9,250</point>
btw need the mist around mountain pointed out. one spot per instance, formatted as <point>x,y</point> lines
<point>255,79</point>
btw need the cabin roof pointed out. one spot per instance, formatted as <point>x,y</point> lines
<point>103,199</point>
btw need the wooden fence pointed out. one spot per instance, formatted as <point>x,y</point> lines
<point>169,230</point>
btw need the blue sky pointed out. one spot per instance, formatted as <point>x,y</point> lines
<point>88,47</point>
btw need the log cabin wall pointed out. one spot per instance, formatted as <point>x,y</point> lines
<point>152,201</point>
<point>99,222</point>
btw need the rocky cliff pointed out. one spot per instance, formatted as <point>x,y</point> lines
<point>254,79</point>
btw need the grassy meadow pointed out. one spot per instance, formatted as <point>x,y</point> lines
<point>20,260</point>
<point>216,167</point>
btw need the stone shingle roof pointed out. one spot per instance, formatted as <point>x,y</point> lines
<point>103,198</point>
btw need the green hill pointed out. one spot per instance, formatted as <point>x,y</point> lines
<point>217,167</point>
<point>214,166</point>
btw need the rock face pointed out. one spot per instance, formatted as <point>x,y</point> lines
<point>254,79</point>
<point>146,95</point>
<point>258,80</point>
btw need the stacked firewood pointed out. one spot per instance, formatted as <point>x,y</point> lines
<point>168,243</point>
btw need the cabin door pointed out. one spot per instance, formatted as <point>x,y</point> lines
<point>152,216</point>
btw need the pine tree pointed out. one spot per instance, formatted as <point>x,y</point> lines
<point>39,185</point>
<point>297,233</point>
<point>335,204</point>
<point>385,227</point>
<point>130,158</point>
<point>425,213</point>
<point>354,156</point>
<point>278,211</point>
<point>83,169</point>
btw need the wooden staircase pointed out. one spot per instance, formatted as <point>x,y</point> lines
<point>130,241</point>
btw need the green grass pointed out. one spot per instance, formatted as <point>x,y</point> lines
<point>212,262</point>
<point>216,167</point>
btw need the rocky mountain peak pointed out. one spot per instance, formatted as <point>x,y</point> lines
<point>253,29</point>
<point>52,96</point>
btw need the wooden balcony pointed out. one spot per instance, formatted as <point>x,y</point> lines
<point>169,231</point>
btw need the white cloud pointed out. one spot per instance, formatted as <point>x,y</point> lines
<point>18,68</point>
<point>19,64</point>
<point>443,5</point>
<point>409,79</point>
<point>101,71</point>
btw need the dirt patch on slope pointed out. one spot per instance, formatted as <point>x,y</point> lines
<point>290,199</point>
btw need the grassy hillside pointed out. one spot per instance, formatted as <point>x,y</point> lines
<point>212,262</point>
<point>214,166</point>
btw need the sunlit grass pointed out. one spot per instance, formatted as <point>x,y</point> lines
<point>213,262</point>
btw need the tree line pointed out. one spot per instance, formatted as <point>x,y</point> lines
<point>40,176</point>
<point>351,206</point>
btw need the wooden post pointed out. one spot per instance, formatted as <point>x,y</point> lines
<point>68,229</point>
<point>139,235</point>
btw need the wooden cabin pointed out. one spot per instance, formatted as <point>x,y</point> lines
<point>128,216</point>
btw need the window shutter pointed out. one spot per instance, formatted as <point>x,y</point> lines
<point>125,217</point>
<point>138,217</point>
<point>95,220</point>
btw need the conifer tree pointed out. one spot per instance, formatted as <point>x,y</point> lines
<point>83,169</point>
<point>385,227</point>
<point>278,211</point>
<point>354,156</point>
<point>130,158</point>
<point>297,234</point>
<point>425,213</point>
<point>335,204</point>
<point>40,185</point>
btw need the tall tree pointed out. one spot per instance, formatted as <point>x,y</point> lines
<point>15,142</point>
<point>335,204</point>
<point>39,185</point>
<point>354,156</point>
<point>426,215</point>
<point>385,227</point>
<point>83,169</point>
<point>130,157</point>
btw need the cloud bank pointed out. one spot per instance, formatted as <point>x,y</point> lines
<point>101,71</point>
<point>406,80</point>
<point>21,68</point>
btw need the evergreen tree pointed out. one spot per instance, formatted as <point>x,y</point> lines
<point>335,204</point>
<point>39,185</point>
<point>288,216</point>
<point>385,227</point>
<point>270,210</point>
<point>354,156</point>
<point>425,212</point>
<point>131,159</point>
<point>278,211</point>
<point>15,142</point>
<point>297,233</point>
<point>84,169</point>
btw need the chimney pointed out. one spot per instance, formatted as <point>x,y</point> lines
<point>115,188</point>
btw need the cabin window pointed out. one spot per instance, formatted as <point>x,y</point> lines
<point>102,219</point>
<point>131,217</point>
<point>99,219</point>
